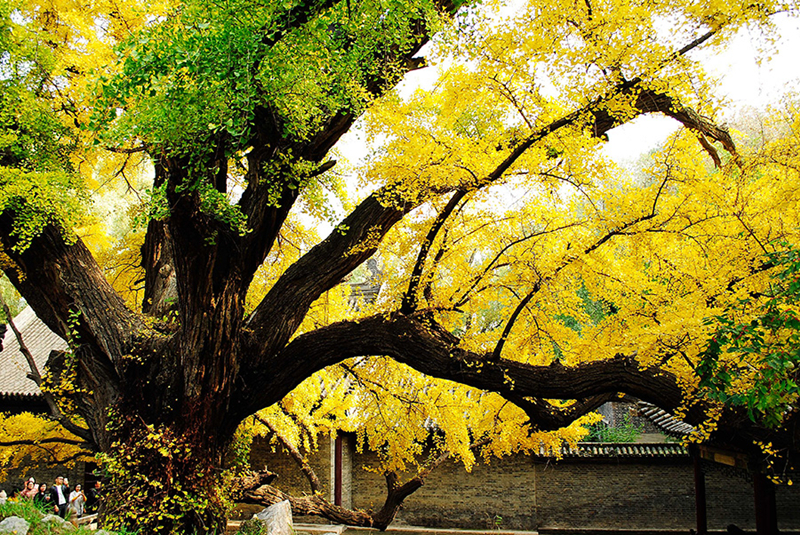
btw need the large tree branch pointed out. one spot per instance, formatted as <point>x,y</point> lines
<point>323,267</point>
<point>69,282</point>
<point>410,298</point>
<point>545,416</point>
<point>66,288</point>
<point>264,217</point>
<point>32,442</point>
<point>280,313</point>
<point>434,352</point>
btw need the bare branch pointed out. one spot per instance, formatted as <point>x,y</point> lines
<point>410,297</point>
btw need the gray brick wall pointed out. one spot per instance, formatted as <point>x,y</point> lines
<point>529,493</point>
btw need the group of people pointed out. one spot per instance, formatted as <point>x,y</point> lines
<point>63,501</point>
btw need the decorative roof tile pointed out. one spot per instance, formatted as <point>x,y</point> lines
<point>667,423</point>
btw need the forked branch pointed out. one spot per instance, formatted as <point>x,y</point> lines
<point>410,297</point>
<point>265,494</point>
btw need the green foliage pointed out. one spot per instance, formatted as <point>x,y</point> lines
<point>751,359</point>
<point>40,199</point>
<point>37,182</point>
<point>197,84</point>
<point>200,75</point>
<point>11,297</point>
<point>627,432</point>
<point>253,526</point>
<point>34,514</point>
<point>593,310</point>
<point>238,454</point>
<point>31,134</point>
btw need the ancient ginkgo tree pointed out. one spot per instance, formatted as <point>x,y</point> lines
<point>525,278</point>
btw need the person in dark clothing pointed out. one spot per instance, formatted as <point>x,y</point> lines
<point>43,496</point>
<point>93,497</point>
<point>58,497</point>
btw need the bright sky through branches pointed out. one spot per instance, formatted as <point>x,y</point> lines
<point>744,81</point>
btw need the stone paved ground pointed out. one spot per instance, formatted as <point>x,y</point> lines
<point>326,529</point>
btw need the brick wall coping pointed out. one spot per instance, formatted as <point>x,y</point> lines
<point>626,449</point>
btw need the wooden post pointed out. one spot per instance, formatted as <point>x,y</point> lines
<point>766,510</point>
<point>337,471</point>
<point>699,493</point>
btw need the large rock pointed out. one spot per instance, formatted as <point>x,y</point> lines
<point>14,524</point>
<point>278,518</point>
<point>53,518</point>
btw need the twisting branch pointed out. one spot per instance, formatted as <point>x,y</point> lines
<point>36,377</point>
<point>299,458</point>
<point>544,416</point>
<point>434,352</point>
<point>410,297</point>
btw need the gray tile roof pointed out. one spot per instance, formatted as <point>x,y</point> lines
<point>39,340</point>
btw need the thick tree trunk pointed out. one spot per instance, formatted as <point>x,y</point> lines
<point>163,479</point>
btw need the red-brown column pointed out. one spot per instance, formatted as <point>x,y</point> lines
<point>766,511</point>
<point>699,493</point>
